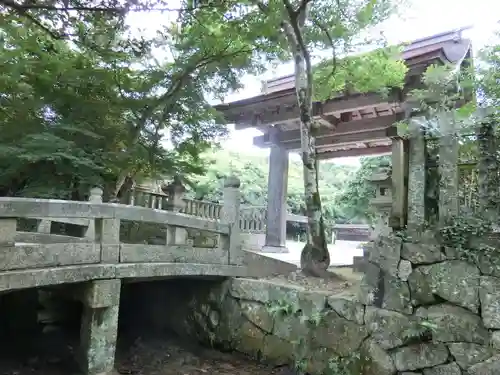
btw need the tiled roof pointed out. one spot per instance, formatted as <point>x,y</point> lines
<point>449,47</point>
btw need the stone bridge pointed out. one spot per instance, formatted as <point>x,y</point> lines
<point>96,263</point>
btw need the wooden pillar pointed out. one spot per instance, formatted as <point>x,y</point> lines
<point>448,167</point>
<point>416,176</point>
<point>276,197</point>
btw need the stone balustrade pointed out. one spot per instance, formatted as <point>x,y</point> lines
<point>95,263</point>
<point>209,210</point>
<point>93,257</point>
<point>31,259</point>
<point>252,219</point>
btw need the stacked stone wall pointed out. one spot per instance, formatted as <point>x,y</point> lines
<point>422,309</point>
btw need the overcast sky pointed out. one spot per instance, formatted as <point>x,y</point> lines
<point>422,18</point>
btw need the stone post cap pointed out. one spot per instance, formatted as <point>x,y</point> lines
<point>232,182</point>
<point>96,192</point>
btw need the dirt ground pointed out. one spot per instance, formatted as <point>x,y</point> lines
<point>169,357</point>
<point>151,356</point>
<point>333,285</point>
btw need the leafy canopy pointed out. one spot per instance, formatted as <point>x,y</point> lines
<point>253,30</point>
<point>83,102</point>
<point>96,109</point>
<point>344,188</point>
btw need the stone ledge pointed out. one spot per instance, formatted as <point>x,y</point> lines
<point>22,279</point>
<point>261,265</point>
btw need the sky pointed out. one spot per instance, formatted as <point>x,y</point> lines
<point>421,18</point>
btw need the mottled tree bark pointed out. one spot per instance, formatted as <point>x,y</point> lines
<point>315,258</point>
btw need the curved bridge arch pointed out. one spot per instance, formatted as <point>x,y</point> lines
<point>30,259</point>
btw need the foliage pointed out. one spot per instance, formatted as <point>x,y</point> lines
<point>96,106</point>
<point>465,234</point>
<point>98,110</point>
<point>343,365</point>
<point>357,193</point>
<point>356,74</point>
<point>487,74</point>
<point>345,191</point>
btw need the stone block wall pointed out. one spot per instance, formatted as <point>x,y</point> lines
<point>439,306</point>
<point>422,309</point>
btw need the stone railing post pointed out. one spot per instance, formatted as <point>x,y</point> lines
<point>175,195</point>
<point>8,228</point>
<point>175,202</point>
<point>95,197</point>
<point>106,232</point>
<point>44,226</point>
<point>231,215</point>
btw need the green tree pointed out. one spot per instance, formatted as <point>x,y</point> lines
<point>253,172</point>
<point>212,46</point>
<point>355,198</point>
<point>95,107</point>
<point>279,30</point>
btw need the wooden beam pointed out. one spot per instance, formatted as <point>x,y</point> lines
<point>329,122</point>
<point>284,109</point>
<point>378,150</point>
<point>351,127</point>
<point>334,140</point>
<point>255,103</point>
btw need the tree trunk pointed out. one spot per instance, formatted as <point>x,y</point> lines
<point>315,258</point>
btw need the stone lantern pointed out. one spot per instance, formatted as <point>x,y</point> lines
<point>175,195</point>
<point>382,203</point>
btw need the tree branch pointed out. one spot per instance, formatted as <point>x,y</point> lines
<point>22,9</point>
<point>324,29</point>
<point>19,9</point>
<point>118,10</point>
<point>297,21</point>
